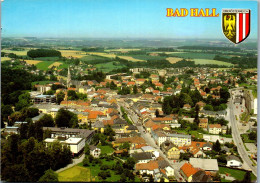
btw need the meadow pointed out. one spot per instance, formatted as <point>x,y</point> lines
<point>75,174</point>
<point>209,61</point>
<point>192,55</point>
<point>5,59</point>
<point>109,66</point>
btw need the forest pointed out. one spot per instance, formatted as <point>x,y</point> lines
<point>43,53</point>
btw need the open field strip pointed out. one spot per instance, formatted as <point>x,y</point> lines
<point>19,53</point>
<point>174,60</point>
<point>5,59</point>
<point>32,61</point>
<point>131,59</point>
<point>209,61</point>
<point>56,64</point>
<point>123,49</point>
<point>111,55</point>
<point>72,53</point>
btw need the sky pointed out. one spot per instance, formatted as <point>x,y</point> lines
<point>115,18</point>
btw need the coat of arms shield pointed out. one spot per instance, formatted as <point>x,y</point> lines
<point>236,24</point>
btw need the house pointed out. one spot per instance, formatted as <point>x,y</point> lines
<point>187,106</point>
<point>233,161</point>
<point>76,144</point>
<point>143,157</point>
<point>171,150</point>
<point>205,164</point>
<point>225,150</point>
<point>201,104</point>
<point>197,153</point>
<point>207,147</point>
<point>94,151</point>
<point>147,168</point>
<point>187,171</point>
<point>201,176</point>
<point>147,149</point>
<point>214,128</point>
<point>203,123</point>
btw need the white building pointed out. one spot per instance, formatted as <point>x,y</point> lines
<point>76,144</point>
<point>94,151</point>
<point>233,161</point>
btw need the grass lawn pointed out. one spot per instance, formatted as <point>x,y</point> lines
<point>75,174</point>
<point>109,66</point>
<point>106,149</point>
<point>94,170</point>
<point>47,58</point>
<point>209,61</point>
<point>44,65</point>
<point>193,55</point>
<point>42,82</point>
<point>5,59</point>
<point>246,139</point>
<point>237,174</point>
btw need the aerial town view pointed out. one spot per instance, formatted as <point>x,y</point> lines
<point>118,91</point>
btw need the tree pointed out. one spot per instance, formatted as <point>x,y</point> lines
<point>49,176</point>
<point>72,95</point>
<point>112,85</point>
<point>252,135</point>
<point>157,114</point>
<point>86,161</point>
<point>46,120</point>
<point>135,91</point>
<point>87,149</point>
<point>247,177</point>
<point>60,97</point>
<point>161,179</point>
<point>129,163</point>
<point>65,118</point>
<point>151,178</point>
<point>125,145</point>
<point>216,146</point>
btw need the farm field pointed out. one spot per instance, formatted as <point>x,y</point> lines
<point>56,64</point>
<point>75,174</point>
<point>109,66</point>
<point>193,55</point>
<point>108,55</point>
<point>209,61</point>
<point>72,53</point>
<point>173,60</point>
<point>122,50</point>
<point>47,58</point>
<point>44,65</point>
<point>19,53</point>
<point>129,58</point>
<point>148,57</point>
<point>32,62</point>
<point>5,59</point>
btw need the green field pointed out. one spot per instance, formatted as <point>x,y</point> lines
<point>192,55</point>
<point>19,53</point>
<point>63,65</point>
<point>237,174</point>
<point>5,59</point>
<point>42,82</point>
<point>209,61</point>
<point>109,66</point>
<point>47,58</point>
<point>92,59</point>
<point>44,65</point>
<point>75,174</point>
<point>147,57</point>
<point>106,149</point>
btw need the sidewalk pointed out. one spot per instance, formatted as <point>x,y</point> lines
<point>74,162</point>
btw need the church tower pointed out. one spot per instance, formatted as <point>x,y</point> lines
<point>68,78</point>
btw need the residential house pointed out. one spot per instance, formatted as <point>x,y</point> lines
<point>171,150</point>
<point>233,161</point>
<point>203,123</point>
<point>205,164</point>
<point>187,171</point>
<point>94,151</point>
<point>187,106</point>
<point>201,176</point>
<point>214,128</point>
<point>143,157</point>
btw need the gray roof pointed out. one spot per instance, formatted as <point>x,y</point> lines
<point>205,164</point>
<point>92,147</point>
<point>36,118</point>
<point>232,157</point>
<point>163,164</point>
<point>132,127</point>
<point>200,176</point>
<point>207,145</point>
<point>142,156</point>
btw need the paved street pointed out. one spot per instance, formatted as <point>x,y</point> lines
<point>150,141</point>
<point>236,135</point>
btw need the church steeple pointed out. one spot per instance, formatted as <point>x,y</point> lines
<point>68,78</point>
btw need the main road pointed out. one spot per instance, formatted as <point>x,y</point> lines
<point>236,135</point>
<point>150,141</point>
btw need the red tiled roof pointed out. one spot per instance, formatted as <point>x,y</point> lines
<point>188,169</point>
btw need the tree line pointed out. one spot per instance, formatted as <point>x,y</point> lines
<point>43,53</point>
